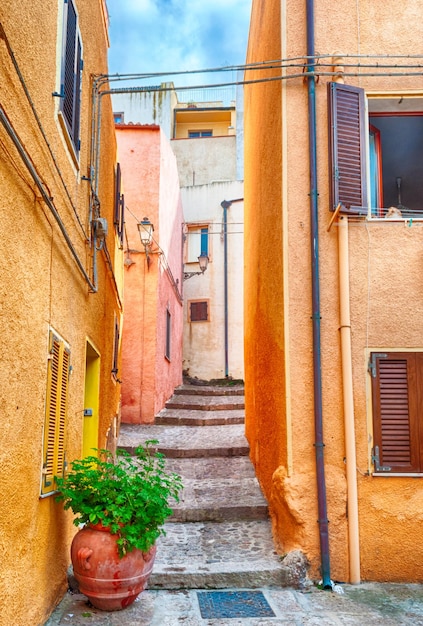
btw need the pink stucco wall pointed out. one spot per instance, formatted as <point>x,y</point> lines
<point>151,189</point>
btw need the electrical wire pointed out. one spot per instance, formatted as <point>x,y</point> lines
<point>261,65</point>
<point>316,74</point>
<point>39,124</point>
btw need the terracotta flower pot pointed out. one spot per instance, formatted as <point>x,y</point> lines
<point>110,583</point>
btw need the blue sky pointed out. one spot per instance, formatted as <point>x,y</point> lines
<point>175,35</point>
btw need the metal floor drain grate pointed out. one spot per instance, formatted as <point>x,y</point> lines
<point>231,604</point>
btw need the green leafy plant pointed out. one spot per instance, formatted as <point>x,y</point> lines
<point>128,494</point>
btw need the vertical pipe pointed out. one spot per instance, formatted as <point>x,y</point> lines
<point>225,205</point>
<point>351,464</point>
<point>317,375</point>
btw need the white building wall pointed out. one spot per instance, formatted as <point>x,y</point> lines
<point>205,355</point>
<point>240,128</point>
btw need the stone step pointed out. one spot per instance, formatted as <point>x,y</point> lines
<point>191,417</point>
<point>211,493</point>
<point>220,499</point>
<point>187,441</point>
<point>237,467</point>
<point>210,390</point>
<point>204,555</point>
<point>205,403</point>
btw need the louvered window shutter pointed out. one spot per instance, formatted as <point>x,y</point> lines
<point>55,420</point>
<point>347,129</point>
<point>396,379</point>
<point>72,74</point>
<point>119,207</point>
<point>199,311</point>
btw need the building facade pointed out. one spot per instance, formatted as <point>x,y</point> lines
<point>213,316</point>
<point>152,331</point>
<point>206,137</point>
<point>61,286</point>
<point>333,253</point>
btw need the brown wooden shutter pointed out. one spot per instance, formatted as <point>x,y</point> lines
<point>119,208</point>
<point>199,311</point>
<point>396,400</point>
<point>118,184</point>
<point>347,130</point>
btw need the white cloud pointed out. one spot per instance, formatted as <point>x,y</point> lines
<point>177,35</point>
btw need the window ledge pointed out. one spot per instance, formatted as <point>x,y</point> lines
<point>399,219</point>
<point>69,143</point>
<point>398,474</point>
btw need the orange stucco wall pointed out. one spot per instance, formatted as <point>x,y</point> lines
<point>41,287</point>
<point>151,189</point>
<point>264,297</point>
<point>385,290</point>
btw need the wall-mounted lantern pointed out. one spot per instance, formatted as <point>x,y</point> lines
<point>203,260</point>
<point>145,229</point>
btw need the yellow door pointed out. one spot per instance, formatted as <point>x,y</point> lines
<point>91,401</point>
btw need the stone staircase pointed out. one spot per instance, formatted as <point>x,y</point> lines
<point>219,535</point>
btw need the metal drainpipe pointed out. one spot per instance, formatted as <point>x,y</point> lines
<point>317,374</point>
<point>225,205</point>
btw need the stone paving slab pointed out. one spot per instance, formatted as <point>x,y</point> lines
<point>207,403</point>
<point>191,417</point>
<point>368,604</point>
<point>187,441</point>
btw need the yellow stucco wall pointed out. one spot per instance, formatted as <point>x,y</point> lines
<point>385,290</point>
<point>41,287</point>
<point>221,122</point>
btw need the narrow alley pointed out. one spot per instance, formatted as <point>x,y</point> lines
<point>217,563</point>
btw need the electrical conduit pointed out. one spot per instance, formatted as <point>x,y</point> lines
<point>347,387</point>
<point>37,180</point>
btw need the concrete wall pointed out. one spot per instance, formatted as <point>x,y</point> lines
<point>148,107</point>
<point>203,160</point>
<point>42,287</point>
<point>150,181</point>
<point>204,342</point>
<point>385,290</point>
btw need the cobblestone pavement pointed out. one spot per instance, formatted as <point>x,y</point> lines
<point>367,604</point>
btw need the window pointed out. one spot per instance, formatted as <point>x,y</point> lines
<point>56,409</point>
<point>119,209</point>
<point>168,334</point>
<point>194,134</point>
<point>397,397</point>
<point>72,64</point>
<point>119,118</point>
<point>398,157</point>
<point>197,243</point>
<point>198,311</point>
<point>388,141</point>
